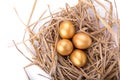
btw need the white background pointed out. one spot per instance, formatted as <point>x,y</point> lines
<point>11,61</point>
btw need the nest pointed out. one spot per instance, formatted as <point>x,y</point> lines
<point>103,55</point>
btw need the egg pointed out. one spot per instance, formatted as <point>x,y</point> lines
<point>64,47</point>
<point>66,29</point>
<point>78,58</point>
<point>81,40</point>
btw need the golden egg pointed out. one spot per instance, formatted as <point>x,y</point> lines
<point>81,40</point>
<point>64,47</point>
<point>67,29</point>
<point>78,58</point>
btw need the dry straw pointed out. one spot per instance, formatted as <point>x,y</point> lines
<point>103,55</point>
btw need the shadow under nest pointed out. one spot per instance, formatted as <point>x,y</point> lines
<point>102,55</point>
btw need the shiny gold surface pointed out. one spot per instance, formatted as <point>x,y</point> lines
<point>67,29</point>
<point>64,47</point>
<point>81,40</point>
<point>78,58</point>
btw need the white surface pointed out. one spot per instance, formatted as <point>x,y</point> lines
<point>11,61</point>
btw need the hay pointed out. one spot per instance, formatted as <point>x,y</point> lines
<point>103,55</point>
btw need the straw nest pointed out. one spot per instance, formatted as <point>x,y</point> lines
<point>103,55</point>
